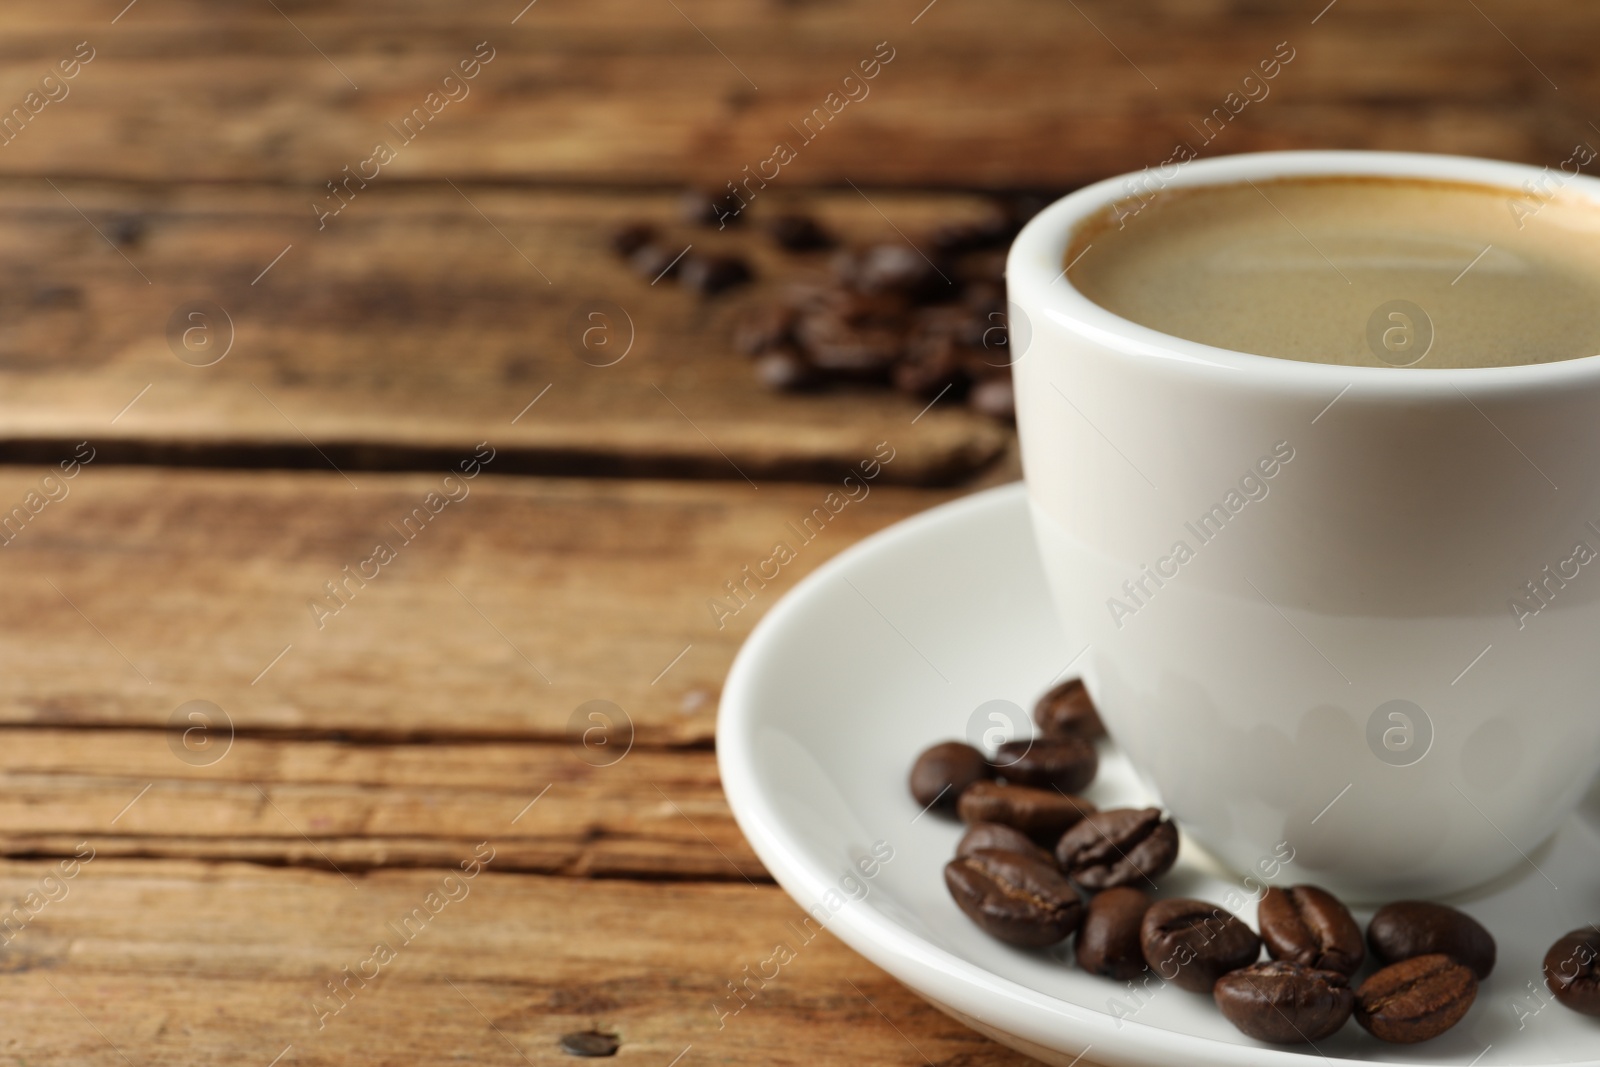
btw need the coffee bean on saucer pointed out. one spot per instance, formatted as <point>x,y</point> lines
<point>1192,943</point>
<point>1572,970</point>
<point>1067,711</point>
<point>994,835</point>
<point>709,275</point>
<point>786,371</point>
<point>795,232</point>
<point>1017,898</point>
<point>1118,847</point>
<point>942,773</point>
<point>1415,999</point>
<point>1042,814</point>
<point>1068,764</point>
<point>1108,941</point>
<point>1284,1003</point>
<point>1410,928</point>
<point>628,239</point>
<point>1308,926</point>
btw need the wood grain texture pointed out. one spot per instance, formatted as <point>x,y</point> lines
<point>184,962</point>
<point>350,807</point>
<point>413,327</point>
<point>144,589</point>
<point>1018,92</point>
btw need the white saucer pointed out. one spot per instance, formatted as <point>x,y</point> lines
<point>889,648</point>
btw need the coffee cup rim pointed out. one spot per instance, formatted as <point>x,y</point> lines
<point>1037,281</point>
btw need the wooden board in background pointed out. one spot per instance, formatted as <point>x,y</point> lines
<point>144,589</point>
<point>414,327</point>
<point>1012,93</point>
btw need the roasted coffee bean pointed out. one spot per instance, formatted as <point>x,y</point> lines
<point>1118,847</point>
<point>846,350</point>
<point>712,274</point>
<point>1308,926</point>
<point>785,370</point>
<point>1192,943</point>
<point>1068,764</point>
<point>764,329</point>
<point>993,230</point>
<point>1017,898</point>
<point>1108,942</point>
<point>899,268</point>
<point>1410,928</point>
<point>994,835</point>
<point>994,397</point>
<point>942,773</point>
<point>794,232</point>
<point>931,368</point>
<point>654,262</point>
<point>1042,814</point>
<point>589,1043</point>
<point>628,239</point>
<point>701,208</point>
<point>1284,1003</point>
<point>1416,999</point>
<point>1572,970</point>
<point>1067,711</point>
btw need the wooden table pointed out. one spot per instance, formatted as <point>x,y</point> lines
<point>231,770</point>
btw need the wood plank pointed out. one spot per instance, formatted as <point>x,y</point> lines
<point>143,589</point>
<point>157,962</point>
<point>1008,93</point>
<point>414,327</point>
<point>352,807</point>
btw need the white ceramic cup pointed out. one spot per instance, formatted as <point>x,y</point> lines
<point>1336,665</point>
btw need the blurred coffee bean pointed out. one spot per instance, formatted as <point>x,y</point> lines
<point>701,208</point>
<point>992,230</point>
<point>1192,943</point>
<point>1416,999</point>
<point>1572,970</point>
<point>1014,897</point>
<point>653,262</point>
<point>843,349</point>
<point>899,268</point>
<point>993,835</point>
<point>1118,847</point>
<point>994,397</point>
<point>1284,1003</point>
<point>711,274</point>
<point>1042,814</point>
<point>763,328</point>
<point>795,232</point>
<point>1108,941</point>
<point>1409,928</point>
<point>786,371</point>
<point>1067,711</point>
<point>931,368</point>
<point>628,239</point>
<point>943,772</point>
<point>1068,764</point>
<point>1308,926</point>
